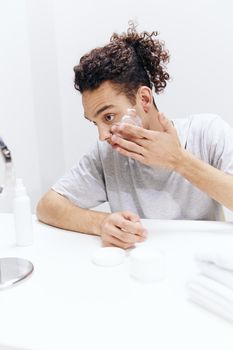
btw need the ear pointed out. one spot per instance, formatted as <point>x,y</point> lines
<point>144,95</point>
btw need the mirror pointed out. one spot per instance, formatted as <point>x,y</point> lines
<point>13,271</point>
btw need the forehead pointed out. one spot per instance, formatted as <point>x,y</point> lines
<point>104,95</point>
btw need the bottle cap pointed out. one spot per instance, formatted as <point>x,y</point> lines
<point>20,189</point>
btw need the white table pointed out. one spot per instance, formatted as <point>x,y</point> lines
<point>69,303</point>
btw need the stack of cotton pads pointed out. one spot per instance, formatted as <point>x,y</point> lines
<point>147,264</point>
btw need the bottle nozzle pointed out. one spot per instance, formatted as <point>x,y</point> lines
<point>20,189</point>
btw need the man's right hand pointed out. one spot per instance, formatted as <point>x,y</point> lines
<point>122,229</point>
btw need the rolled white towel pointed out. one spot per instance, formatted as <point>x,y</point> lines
<point>222,258</point>
<point>216,273</point>
<point>211,295</point>
<point>217,265</point>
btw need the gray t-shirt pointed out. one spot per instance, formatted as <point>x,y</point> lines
<point>151,192</point>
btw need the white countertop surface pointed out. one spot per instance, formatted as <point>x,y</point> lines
<point>69,303</point>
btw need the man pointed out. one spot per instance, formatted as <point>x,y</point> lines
<point>180,169</point>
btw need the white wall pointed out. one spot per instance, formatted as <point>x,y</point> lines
<point>17,123</point>
<point>46,90</point>
<point>30,113</point>
<point>51,35</point>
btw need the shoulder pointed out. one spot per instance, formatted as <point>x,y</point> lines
<point>205,120</point>
<point>203,132</point>
<point>200,125</point>
<point>198,121</point>
<point>211,126</point>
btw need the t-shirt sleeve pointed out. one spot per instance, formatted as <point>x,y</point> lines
<point>84,184</point>
<point>219,138</point>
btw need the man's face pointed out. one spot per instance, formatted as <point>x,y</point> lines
<point>104,107</point>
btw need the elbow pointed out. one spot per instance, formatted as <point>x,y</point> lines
<point>44,208</point>
<point>49,208</point>
<point>41,210</point>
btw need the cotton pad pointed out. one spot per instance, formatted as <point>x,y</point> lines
<point>109,256</point>
<point>131,117</point>
<point>131,120</point>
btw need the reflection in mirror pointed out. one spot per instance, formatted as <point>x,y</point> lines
<point>5,165</point>
<point>2,172</point>
<point>7,178</point>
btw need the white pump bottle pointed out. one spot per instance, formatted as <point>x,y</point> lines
<point>22,215</point>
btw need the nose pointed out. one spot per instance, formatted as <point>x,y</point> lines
<point>104,133</point>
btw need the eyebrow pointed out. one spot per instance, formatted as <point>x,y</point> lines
<point>102,109</point>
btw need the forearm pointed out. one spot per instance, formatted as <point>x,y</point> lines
<point>56,210</point>
<point>217,184</point>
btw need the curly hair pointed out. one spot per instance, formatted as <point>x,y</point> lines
<point>129,60</point>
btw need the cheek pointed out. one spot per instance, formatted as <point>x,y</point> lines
<point>146,121</point>
<point>143,116</point>
<point>117,118</point>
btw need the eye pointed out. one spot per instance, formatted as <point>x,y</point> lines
<point>109,117</point>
